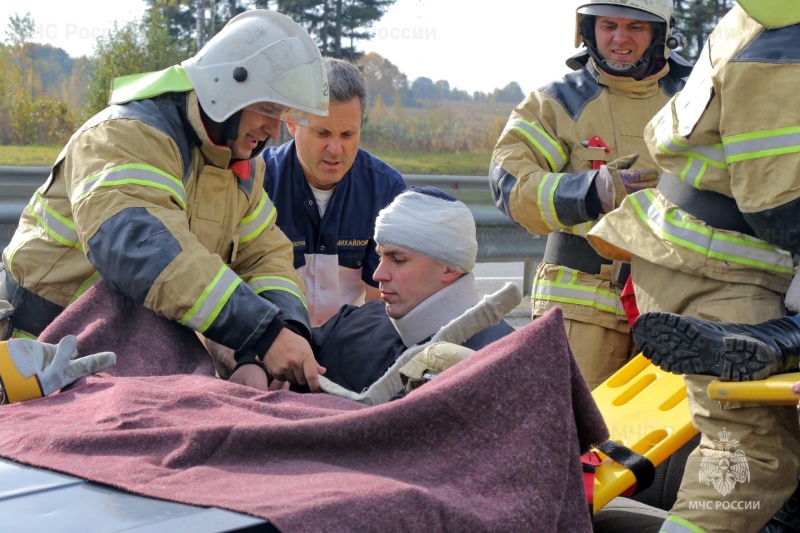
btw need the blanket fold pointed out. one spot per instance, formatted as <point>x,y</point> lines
<point>146,344</point>
<point>491,444</point>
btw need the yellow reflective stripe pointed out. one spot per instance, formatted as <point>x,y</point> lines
<point>57,226</point>
<point>693,172</point>
<point>676,524</point>
<point>768,143</point>
<point>134,173</point>
<point>17,387</point>
<point>260,284</point>
<point>583,229</point>
<point>14,246</point>
<point>19,334</point>
<point>550,149</point>
<point>674,225</point>
<point>211,302</point>
<point>667,143</point>
<point>85,286</point>
<point>565,289</point>
<point>545,199</point>
<point>252,225</point>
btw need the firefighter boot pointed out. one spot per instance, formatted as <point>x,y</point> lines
<point>735,352</point>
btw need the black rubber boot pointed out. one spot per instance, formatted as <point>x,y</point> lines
<point>735,352</point>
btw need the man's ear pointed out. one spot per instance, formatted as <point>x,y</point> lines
<point>292,128</point>
<point>450,274</point>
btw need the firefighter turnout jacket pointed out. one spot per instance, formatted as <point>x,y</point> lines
<point>141,197</point>
<point>542,172</point>
<point>727,206</point>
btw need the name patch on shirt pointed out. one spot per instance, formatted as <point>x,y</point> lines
<point>352,243</point>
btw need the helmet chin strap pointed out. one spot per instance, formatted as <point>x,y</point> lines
<point>639,70</point>
<point>614,65</point>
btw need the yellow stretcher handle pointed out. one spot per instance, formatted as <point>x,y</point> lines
<point>773,390</point>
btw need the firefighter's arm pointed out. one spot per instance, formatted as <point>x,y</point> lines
<point>525,178</point>
<point>264,261</point>
<point>130,210</point>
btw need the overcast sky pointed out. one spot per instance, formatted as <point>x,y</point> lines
<point>473,49</point>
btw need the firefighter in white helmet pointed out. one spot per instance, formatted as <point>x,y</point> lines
<point>568,155</point>
<point>716,241</point>
<point>161,195</point>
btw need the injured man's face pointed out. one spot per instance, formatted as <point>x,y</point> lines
<point>407,278</point>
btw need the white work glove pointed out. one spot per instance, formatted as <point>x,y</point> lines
<point>32,369</point>
<point>792,299</point>
<point>616,180</point>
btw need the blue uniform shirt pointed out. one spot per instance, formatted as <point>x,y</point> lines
<point>335,253</point>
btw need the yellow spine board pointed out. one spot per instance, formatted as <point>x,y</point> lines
<point>646,410</point>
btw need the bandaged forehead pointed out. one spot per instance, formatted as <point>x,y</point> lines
<point>431,222</point>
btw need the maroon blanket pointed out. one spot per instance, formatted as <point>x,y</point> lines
<point>145,343</point>
<point>493,444</point>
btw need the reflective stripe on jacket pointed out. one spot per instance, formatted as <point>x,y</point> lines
<point>747,149</point>
<point>541,171</point>
<point>142,196</point>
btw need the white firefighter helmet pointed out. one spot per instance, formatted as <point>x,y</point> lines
<point>656,11</point>
<point>264,61</point>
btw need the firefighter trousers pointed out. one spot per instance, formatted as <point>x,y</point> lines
<point>748,460</point>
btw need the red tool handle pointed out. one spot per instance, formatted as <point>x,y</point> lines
<point>596,142</point>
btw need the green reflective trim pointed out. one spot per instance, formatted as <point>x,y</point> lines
<point>19,334</point>
<point>260,284</point>
<point>545,199</point>
<point>149,84</point>
<point>693,172</point>
<point>568,291</point>
<point>57,226</point>
<point>85,286</point>
<point>674,225</point>
<point>550,149</point>
<point>12,249</point>
<point>583,228</point>
<point>676,524</point>
<point>136,174</point>
<point>713,155</point>
<point>210,304</point>
<point>769,143</point>
<point>252,225</point>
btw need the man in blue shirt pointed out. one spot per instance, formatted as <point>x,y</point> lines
<point>328,192</point>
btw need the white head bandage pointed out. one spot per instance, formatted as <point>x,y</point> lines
<point>431,222</point>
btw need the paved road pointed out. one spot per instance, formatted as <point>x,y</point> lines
<point>491,277</point>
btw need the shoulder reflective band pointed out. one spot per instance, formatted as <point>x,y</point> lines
<point>17,387</point>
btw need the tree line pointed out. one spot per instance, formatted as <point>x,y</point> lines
<point>45,94</point>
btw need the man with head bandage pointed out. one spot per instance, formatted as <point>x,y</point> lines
<point>427,246</point>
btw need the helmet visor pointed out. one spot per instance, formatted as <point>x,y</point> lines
<point>622,12</point>
<point>281,112</point>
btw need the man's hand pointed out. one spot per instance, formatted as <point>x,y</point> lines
<point>616,180</point>
<point>252,376</point>
<point>223,357</point>
<point>277,384</point>
<point>290,359</point>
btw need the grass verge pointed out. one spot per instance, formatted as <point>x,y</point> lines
<point>460,164</point>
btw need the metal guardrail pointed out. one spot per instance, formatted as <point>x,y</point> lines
<point>499,239</point>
